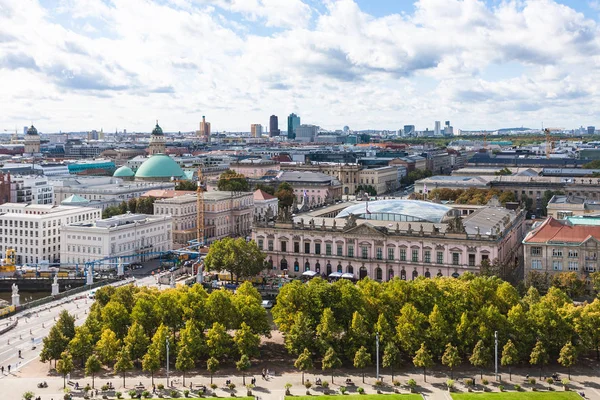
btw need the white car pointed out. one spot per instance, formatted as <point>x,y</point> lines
<point>268,304</point>
<point>92,294</point>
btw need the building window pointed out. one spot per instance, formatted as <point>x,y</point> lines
<point>557,253</point>
<point>328,249</point>
<point>402,254</point>
<point>260,244</point>
<point>484,257</point>
<point>536,251</point>
<point>350,250</point>
<point>379,253</point>
<point>378,274</point>
<point>590,267</point>
<point>471,260</point>
<point>317,248</point>
<point>440,257</point>
<point>390,253</point>
<point>536,264</point>
<point>296,266</point>
<point>403,275</point>
<point>427,256</point>
<point>455,258</point>
<point>270,245</point>
<point>415,256</point>
<point>557,265</point>
<point>307,266</point>
<point>296,247</point>
<point>573,254</point>
<point>340,250</point>
<point>318,268</point>
<point>307,248</point>
<point>364,252</point>
<point>573,266</point>
<point>283,246</point>
<point>339,268</point>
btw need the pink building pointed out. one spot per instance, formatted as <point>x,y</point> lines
<point>254,168</point>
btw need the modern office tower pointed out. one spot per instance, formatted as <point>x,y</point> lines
<point>306,133</point>
<point>256,130</point>
<point>438,128</point>
<point>204,129</point>
<point>591,130</point>
<point>293,122</point>
<point>409,130</point>
<point>274,126</point>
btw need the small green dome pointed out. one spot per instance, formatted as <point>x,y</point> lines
<point>159,166</point>
<point>74,200</point>
<point>157,131</point>
<point>33,131</point>
<point>124,172</point>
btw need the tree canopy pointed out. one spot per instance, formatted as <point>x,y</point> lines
<point>233,182</point>
<point>240,258</point>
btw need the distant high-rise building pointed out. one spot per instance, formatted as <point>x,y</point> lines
<point>24,130</point>
<point>346,129</point>
<point>293,122</point>
<point>447,123</point>
<point>256,130</point>
<point>409,130</point>
<point>204,131</point>
<point>274,126</point>
<point>438,128</point>
<point>591,130</point>
<point>306,133</point>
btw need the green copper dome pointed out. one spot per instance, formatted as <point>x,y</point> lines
<point>33,131</point>
<point>159,166</point>
<point>157,131</point>
<point>124,172</point>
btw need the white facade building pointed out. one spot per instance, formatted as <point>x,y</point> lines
<point>32,190</point>
<point>33,231</point>
<point>263,202</point>
<point>122,235</point>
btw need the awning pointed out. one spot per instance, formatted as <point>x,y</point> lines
<point>309,273</point>
<point>347,275</point>
<point>335,275</point>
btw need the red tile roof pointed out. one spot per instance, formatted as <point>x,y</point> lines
<point>262,195</point>
<point>552,230</point>
<point>166,194</point>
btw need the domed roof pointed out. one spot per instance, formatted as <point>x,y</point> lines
<point>159,166</point>
<point>32,130</point>
<point>157,131</point>
<point>124,172</point>
<point>398,210</point>
<point>74,200</point>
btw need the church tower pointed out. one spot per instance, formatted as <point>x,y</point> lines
<point>32,141</point>
<point>157,141</point>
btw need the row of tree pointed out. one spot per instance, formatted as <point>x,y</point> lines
<point>131,326</point>
<point>140,205</point>
<point>433,320</point>
<point>471,196</point>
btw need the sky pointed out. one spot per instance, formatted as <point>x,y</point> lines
<point>78,65</point>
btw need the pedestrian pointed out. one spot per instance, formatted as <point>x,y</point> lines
<point>19,353</point>
<point>9,369</point>
<point>267,372</point>
<point>263,373</point>
<point>153,388</point>
<point>2,369</point>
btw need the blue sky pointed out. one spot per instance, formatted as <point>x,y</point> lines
<point>121,64</point>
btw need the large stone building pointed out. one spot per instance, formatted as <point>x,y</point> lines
<point>313,188</point>
<point>33,231</point>
<point>32,189</point>
<point>225,214</point>
<point>562,206</point>
<point>389,238</point>
<point>122,235</point>
<point>265,205</point>
<point>32,141</point>
<point>254,168</point>
<point>557,246</point>
<point>157,141</point>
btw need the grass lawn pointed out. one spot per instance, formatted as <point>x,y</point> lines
<point>362,397</point>
<point>517,396</point>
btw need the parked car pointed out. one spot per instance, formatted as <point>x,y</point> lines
<point>268,304</point>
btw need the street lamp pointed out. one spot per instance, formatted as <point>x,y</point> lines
<point>496,353</point>
<point>167,362</point>
<point>377,353</point>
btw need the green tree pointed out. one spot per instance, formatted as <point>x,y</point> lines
<point>116,318</point>
<point>159,342</point>
<point>423,359</point>
<point>481,357</point>
<point>108,346</point>
<point>186,185</point>
<point>300,335</point>
<point>193,338</point>
<point>330,361</point>
<point>304,362</point>
<point>409,328</point>
<point>265,188</point>
<point>385,330</point>
<point>439,330</point>
<point>451,358</point>
<point>231,181</point>
<point>285,194</point>
<point>390,356</point>
<point>218,341</point>
<point>243,365</point>
<point>92,367</point>
<point>510,356</point>
<point>358,334</point>
<point>143,312</point>
<point>66,324</point>
<point>151,361</point>
<point>592,165</point>
<point>145,205</point>
<point>65,366</point>
<point>246,341</point>
<point>212,365</point>
<point>587,326</point>
<point>184,361</point>
<point>539,356</point>
<point>136,341</point>
<point>124,362</point>
<point>568,356</point>
<point>362,359</point>
<point>54,345</point>
<point>132,205</point>
<point>240,258</point>
<point>503,171</point>
<point>328,331</point>
<point>82,345</point>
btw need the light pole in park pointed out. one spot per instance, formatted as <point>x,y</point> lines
<point>167,362</point>
<point>496,353</point>
<point>377,353</point>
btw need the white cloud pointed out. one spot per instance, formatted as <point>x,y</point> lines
<point>125,63</point>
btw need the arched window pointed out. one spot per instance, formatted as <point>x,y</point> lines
<point>403,275</point>
<point>378,274</point>
<point>415,274</point>
<point>328,268</point>
<point>270,262</point>
<point>427,274</point>
<point>390,274</point>
<point>307,266</point>
<point>318,268</point>
<point>350,269</point>
<point>339,268</point>
<point>362,273</point>
<point>296,266</point>
<point>283,264</point>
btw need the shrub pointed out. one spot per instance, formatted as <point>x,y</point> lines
<point>565,382</point>
<point>531,381</point>
<point>469,382</point>
<point>287,386</point>
<point>231,386</point>
<point>67,396</point>
<point>396,382</point>
<point>450,383</point>
<point>534,389</point>
<point>87,388</point>
<point>132,393</point>
<point>104,388</point>
<point>146,394</point>
<point>104,397</point>
<point>307,384</point>
<point>379,382</point>
<point>517,387</point>
<point>411,383</point>
<point>485,381</point>
<point>213,386</point>
<point>160,386</point>
<point>175,394</point>
<point>28,395</point>
<point>360,390</point>
<point>343,389</point>
<point>325,384</point>
<point>501,388</point>
<point>549,380</point>
<point>119,395</point>
<point>186,393</point>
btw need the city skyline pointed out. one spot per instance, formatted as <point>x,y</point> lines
<point>74,65</point>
